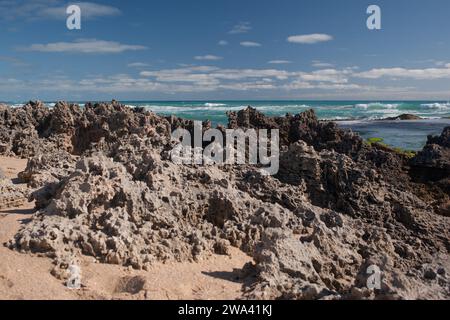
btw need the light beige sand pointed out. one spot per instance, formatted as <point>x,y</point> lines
<point>12,166</point>
<point>25,276</point>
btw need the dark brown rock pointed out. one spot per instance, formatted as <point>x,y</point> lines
<point>404,117</point>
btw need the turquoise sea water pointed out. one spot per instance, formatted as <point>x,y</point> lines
<point>361,116</point>
<point>336,110</point>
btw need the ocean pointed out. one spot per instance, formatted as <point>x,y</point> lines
<point>363,117</point>
<point>360,116</point>
<point>327,110</point>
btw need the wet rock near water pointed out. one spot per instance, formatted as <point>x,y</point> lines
<point>404,117</point>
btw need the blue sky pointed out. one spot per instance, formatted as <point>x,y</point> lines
<point>225,49</point>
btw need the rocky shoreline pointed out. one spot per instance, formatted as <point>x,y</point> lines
<point>104,186</point>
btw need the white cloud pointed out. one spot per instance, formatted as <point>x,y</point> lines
<point>248,79</point>
<point>310,38</point>
<point>241,27</point>
<point>223,43</point>
<point>208,57</point>
<point>304,85</point>
<point>138,65</point>
<point>85,46</point>
<point>197,79</point>
<point>279,62</point>
<point>417,74</point>
<point>126,84</point>
<point>245,86</point>
<point>337,83</point>
<point>250,44</point>
<point>327,75</point>
<point>213,74</point>
<point>320,64</point>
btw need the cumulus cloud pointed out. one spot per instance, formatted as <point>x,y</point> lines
<point>208,57</point>
<point>85,46</point>
<point>138,65</point>
<point>320,64</point>
<point>327,75</point>
<point>223,43</point>
<point>249,79</point>
<point>330,82</point>
<point>417,74</point>
<point>193,79</point>
<point>213,74</point>
<point>198,78</point>
<point>279,62</point>
<point>303,85</point>
<point>250,44</point>
<point>241,27</point>
<point>310,38</point>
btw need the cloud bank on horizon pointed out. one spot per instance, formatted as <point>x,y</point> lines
<point>227,50</point>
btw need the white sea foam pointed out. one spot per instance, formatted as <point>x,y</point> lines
<point>185,109</point>
<point>339,107</point>
<point>279,107</point>
<point>327,111</point>
<point>219,107</point>
<point>210,104</point>
<point>338,118</point>
<point>437,106</point>
<point>378,105</point>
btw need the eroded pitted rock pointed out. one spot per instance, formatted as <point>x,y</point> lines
<point>336,207</point>
<point>11,195</point>
<point>20,127</point>
<point>99,210</point>
<point>335,262</point>
<point>332,180</point>
<point>304,126</point>
<point>48,167</point>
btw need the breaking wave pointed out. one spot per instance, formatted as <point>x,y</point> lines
<point>437,106</point>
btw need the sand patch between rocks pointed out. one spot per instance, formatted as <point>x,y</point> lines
<point>27,276</point>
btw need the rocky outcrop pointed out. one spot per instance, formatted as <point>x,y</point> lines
<point>23,131</point>
<point>100,211</point>
<point>432,166</point>
<point>404,117</point>
<point>106,187</point>
<point>304,126</point>
<point>20,127</point>
<point>435,156</point>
